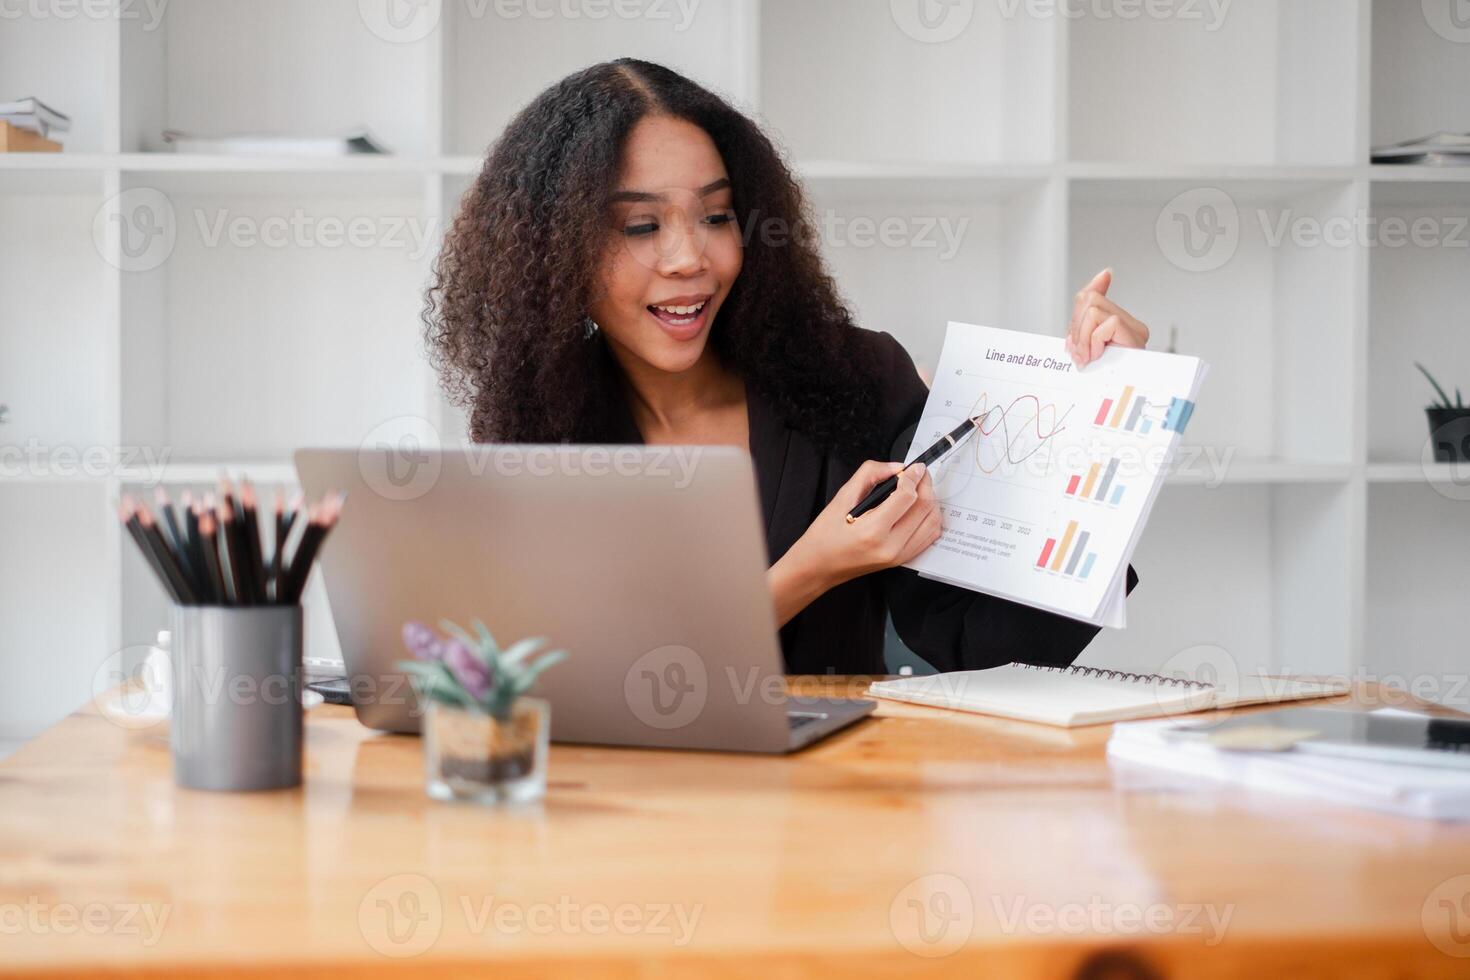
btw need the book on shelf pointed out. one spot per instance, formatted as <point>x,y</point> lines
<point>354,142</point>
<point>35,116</point>
<point>14,139</point>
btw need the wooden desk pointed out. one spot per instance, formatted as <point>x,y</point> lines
<point>1028,854</point>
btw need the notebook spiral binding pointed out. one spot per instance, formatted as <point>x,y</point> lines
<point>1102,673</point>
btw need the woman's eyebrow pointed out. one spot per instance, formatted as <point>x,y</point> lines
<point>621,196</point>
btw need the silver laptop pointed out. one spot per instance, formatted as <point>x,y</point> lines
<point>646,564</point>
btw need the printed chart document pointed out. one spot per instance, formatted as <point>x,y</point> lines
<point>1046,499</point>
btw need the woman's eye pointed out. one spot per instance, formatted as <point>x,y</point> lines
<point>644,228</point>
<point>723,218</point>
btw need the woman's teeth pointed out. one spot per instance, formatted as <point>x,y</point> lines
<point>678,315</point>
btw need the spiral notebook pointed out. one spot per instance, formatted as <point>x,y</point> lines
<point>1073,696</point>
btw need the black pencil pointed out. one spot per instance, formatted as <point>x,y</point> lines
<point>273,574</point>
<point>166,556</point>
<point>127,512</point>
<point>250,528</point>
<point>173,536</point>
<point>211,557</point>
<point>196,549</point>
<point>230,559</point>
<point>301,559</point>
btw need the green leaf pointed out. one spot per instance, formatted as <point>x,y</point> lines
<point>437,682</point>
<point>519,651</point>
<point>1458,402</point>
<point>486,640</point>
<point>522,680</point>
<point>1443,398</point>
<point>449,626</point>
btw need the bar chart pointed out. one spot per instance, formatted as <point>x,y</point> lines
<point>1126,412</point>
<point>1098,485</point>
<point>1068,555</point>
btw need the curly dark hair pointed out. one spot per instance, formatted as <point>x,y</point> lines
<point>504,316</point>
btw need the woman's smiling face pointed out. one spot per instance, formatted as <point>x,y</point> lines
<point>674,247</point>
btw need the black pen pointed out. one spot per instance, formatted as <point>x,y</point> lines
<point>929,456</point>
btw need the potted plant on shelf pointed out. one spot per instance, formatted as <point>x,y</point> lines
<point>484,740</point>
<point>1449,425</point>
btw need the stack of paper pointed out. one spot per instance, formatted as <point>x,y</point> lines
<point>35,116</point>
<point>267,144</point>
<point>1425,792</point>
<point>1435,150</point>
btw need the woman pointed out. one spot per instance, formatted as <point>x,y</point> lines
<point>635,263</point>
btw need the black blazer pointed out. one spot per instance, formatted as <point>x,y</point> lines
<point>842,631</point>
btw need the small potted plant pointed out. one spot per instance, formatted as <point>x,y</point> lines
<point>484,740</point>
<point>1449,425</point>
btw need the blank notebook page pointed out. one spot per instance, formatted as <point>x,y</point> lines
<point>1053,697</point>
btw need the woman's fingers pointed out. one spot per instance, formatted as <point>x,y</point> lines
<point>1106,332</point>
<point>868,476</point>
<point>926,523</point>
<point>1098,287</point>
<point>1097,321</point>
<point>892,510</point>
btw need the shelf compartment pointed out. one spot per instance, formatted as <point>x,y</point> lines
<point>274,322</point>
<point>498,57</point>
<point>1418,269</point>
<point>56,599</point>
<point>54,363</point>
<point>907,263</point>
<point>1221,261</point>
<point>1421,70</point>
<point>984,95</point>
<point>275,66</point>
<point>61,60</point>
<point>1418,542</point>
<point>1271,82</point>
<point>1282,555</point>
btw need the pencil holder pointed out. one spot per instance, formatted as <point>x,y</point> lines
<point>236,697</point>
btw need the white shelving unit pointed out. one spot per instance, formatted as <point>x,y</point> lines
<point>1303,532</point>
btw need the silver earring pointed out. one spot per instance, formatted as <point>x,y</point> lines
<point>589,328</point>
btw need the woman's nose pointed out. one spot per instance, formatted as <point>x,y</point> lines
<point>681,250</point>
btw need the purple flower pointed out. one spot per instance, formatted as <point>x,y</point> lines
<point>466,666</point>
<point>422,642</point>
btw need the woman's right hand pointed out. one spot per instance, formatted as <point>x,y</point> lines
<point>832,551</point>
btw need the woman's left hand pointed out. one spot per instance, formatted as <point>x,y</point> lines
<point>1097,322</point>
